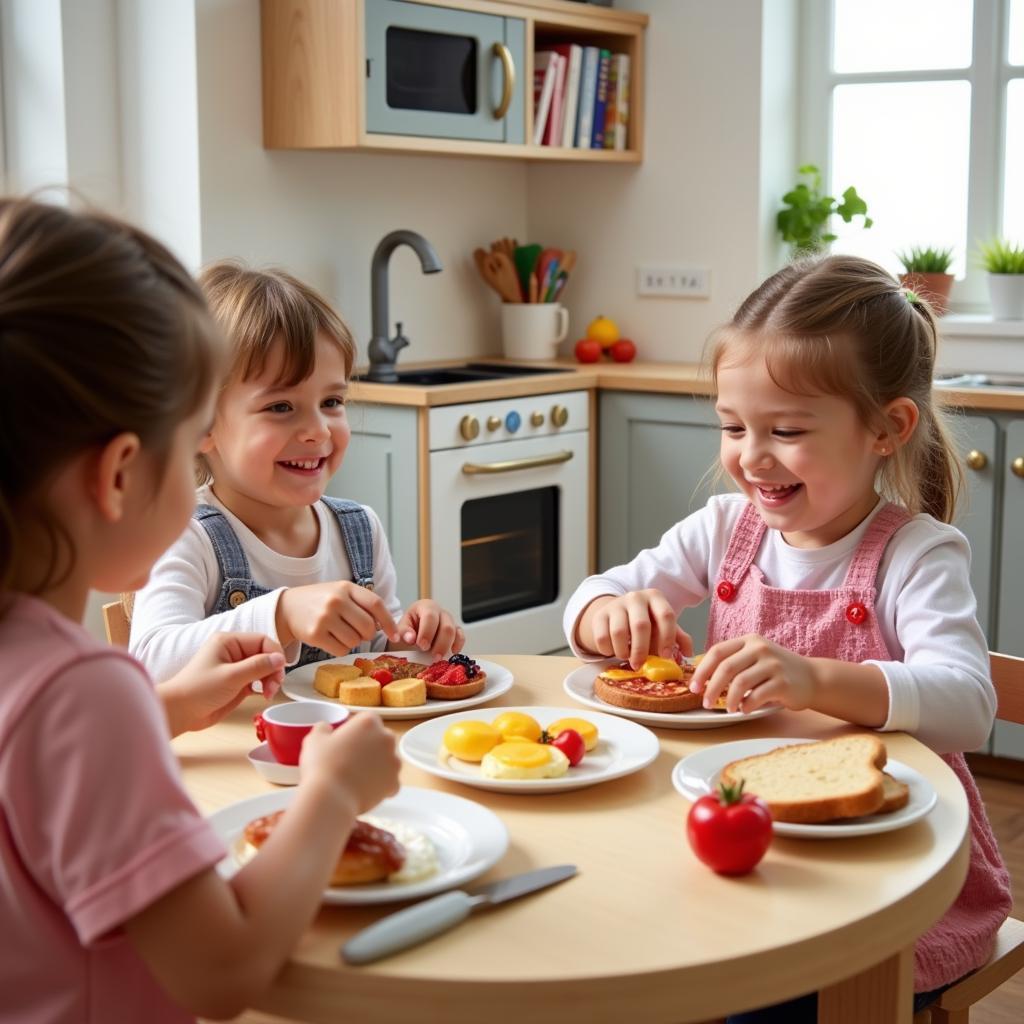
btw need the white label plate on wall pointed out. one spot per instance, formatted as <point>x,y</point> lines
<point>673,282</point>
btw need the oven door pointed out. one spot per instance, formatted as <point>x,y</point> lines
<point>509,540</point>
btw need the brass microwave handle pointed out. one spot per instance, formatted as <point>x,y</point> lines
<point>502,52</point>
<point>477,468</point>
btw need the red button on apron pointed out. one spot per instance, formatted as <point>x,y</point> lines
<point>856,613</point>
<point>726,590</point>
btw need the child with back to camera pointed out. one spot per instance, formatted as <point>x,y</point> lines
<point>266,551</point>
<point>111,907</point>
<point>836,582</point>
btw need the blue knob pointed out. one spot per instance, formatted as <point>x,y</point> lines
<point>513,421</point>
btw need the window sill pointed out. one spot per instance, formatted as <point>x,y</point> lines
<point>978,325</point>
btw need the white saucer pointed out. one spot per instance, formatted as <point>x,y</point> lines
<point>271,769</point>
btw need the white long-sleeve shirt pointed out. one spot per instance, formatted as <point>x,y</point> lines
<point>171,617</point>
<point>940,688</point>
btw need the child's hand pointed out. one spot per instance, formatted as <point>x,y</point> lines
<point>764,671</point>
<point>333,616</point>
<point>219,677</point>
<point>358,756</point>
<point>427,625</point>
<point>632,626</point>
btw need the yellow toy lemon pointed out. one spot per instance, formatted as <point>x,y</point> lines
<point>604,330</point>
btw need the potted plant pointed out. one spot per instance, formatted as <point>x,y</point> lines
<point>805,219</point>
<point>926,271</point>
<point>1005,265</point>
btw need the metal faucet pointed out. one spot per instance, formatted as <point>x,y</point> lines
<point>384,350</point>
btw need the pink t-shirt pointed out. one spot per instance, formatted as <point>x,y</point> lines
<point>94,824</point>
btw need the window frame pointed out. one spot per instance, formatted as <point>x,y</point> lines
<point>989,75</point>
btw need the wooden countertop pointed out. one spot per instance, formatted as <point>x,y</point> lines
<point>660,378</point>
<point>645,932</point>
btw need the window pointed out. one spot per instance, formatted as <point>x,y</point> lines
<point>920,105</point>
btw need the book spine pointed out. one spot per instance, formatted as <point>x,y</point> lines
<point>574,56</point>
<point>600,101</point>
<point>553,133</point>
<point>588,91</point>
<point>611,110</point>
<point>544,62</point>
<point>622,100</point>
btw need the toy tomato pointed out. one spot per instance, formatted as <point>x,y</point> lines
<point>570,743</point>
<point>730,830</point>
<point>588,350</point>
<point>623,351</point>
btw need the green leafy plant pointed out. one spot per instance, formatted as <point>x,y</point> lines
<point>926,260</point>
<point>999,256</point>
<point>805,219</point>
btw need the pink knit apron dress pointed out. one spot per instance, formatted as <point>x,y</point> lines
<point>842,624</point>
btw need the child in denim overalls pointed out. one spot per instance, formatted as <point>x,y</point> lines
<point>266,552</point>
<point>835,581</point>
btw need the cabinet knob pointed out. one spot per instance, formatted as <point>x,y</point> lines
<point>1017,466</point>
<point>469,428</point>
<point>559,415</point>
<point>976,459</point>
<point>536,419</point>
<point>493,422</point>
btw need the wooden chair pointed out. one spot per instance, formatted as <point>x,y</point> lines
<point>954,1005</point>
<point>117,620</point>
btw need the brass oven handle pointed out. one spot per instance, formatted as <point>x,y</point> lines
<point>476,468</point>
<point>502,52</point>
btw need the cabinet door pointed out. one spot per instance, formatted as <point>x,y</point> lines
<point>438,72</point>
<point>380,471</point>
<point>658,459</point>
<point>1008,739</point>
<point>977,513</point>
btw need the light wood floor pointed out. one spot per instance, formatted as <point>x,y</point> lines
<point>1005,804</point>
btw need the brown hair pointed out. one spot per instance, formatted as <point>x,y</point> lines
<point>841,325</point>
<point>258,309</point>
<point>101,331</point>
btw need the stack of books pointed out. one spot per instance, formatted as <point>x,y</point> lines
<point>580,97</point>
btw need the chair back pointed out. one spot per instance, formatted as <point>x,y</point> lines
<point>117,620</point>
<point>1008,678</point>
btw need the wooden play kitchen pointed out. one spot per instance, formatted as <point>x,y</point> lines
<point>644,932</point>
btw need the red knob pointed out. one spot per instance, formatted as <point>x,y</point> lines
<point>257,720</point>
<point>726,590</point>
<point>856,613</point>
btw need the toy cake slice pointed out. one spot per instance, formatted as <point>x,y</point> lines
<point>808,783</point>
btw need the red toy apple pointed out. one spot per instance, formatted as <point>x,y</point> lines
<point>588,350</point>
<point>623,351</point>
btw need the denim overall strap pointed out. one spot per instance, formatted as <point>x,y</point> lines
<point>236,582</point>
<point>357,534</point>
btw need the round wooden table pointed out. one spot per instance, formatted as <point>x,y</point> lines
<point>645,932</point>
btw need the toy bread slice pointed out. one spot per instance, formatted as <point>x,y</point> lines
<point>329,677</point>
<point>897,794</point>
<point>807,783</point>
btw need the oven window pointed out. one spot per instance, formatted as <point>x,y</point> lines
<point>431,71</point>
<point>509,553</point>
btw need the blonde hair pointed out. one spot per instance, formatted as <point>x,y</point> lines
<point>842,326</point>
<point>261,309</point>
<point>102,331</point>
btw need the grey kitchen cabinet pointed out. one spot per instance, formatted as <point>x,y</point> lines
<point>976,438</point>
<point>658,455</point>
<point>379,470</point>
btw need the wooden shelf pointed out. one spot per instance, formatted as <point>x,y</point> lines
<point>314,64</point>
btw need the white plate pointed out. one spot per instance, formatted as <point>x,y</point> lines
<point>622,748</point>
<point>271,769</point>
<point>697,775</point>
<point>298,684</point>
<point>469,839</point>
<point>579,684</point>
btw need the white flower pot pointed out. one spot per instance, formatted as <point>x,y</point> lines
<point>1006,295</point>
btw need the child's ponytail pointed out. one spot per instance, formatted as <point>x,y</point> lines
<point>102,331</point>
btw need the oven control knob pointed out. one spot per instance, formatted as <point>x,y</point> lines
<point>559,415</point>
<point>536,419</point>
<point>469,428</point>
<point>493,422</point>
<point>513,421</point>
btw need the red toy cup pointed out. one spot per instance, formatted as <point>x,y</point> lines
<point>284,726</point>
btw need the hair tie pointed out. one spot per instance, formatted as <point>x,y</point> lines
<point>911,296</point>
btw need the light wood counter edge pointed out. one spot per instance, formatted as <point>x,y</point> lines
<point>657,378</point>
